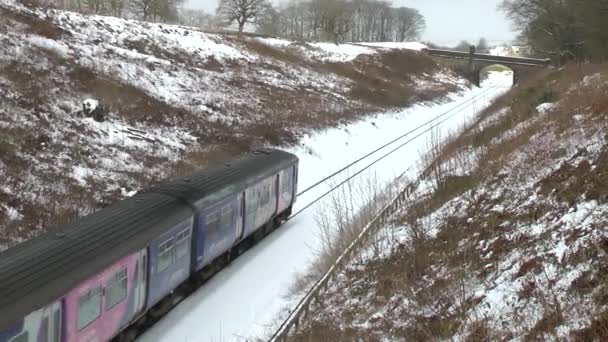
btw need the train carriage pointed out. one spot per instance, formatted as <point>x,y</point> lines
<point>231,201</point>
<point>87,277</point>
<point>169,261</point>
<point>100,307</point>
<point>91,279</point>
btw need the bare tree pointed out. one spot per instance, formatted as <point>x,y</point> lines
<point>242,11</point>
<point>269,23</point>
<point>463,46</point>
<point>143,8</point>
<point>410,24</point>
<point>550,26</point>
<point>197,18</point>
<point>95,6</point>
<point>117,7</point>
<point>336,18</point>
<point>482,46</point>
<point>341,20</point>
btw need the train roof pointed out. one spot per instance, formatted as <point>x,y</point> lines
<point>222,180</point>
<point>39,271</point>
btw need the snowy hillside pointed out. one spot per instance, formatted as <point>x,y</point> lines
<point>504,239</point>
<point>170,99</point>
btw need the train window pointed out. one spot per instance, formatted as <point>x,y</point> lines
<point>251,205</point>
<point>213,222</point>
<point>57,326</point>
<point>265,195</point>
<point>286,186</point>
<point>116,289</point>
<point>226,216</point>
<point>182,247</point>
<point>89,307</point>
<point>165,255</point>
<point>23,337</point>
<point>43,331</point>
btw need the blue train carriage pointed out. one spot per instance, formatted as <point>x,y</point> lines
<point>92,278</point>
<point>87,280</point>
<point>232,201</point>
<point>271,193</point>
<point>169,265</point>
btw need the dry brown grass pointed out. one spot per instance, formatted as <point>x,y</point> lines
<point>290,56</point>
<point>386,80</point>
<point>132,103</point>
<point>596,331</point>
<point>34,24</point>
<point>409,269</point>
<point>281,116</point>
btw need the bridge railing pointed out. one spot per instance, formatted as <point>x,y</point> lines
<point>489,58</point>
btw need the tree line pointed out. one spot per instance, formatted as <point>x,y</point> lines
<point>337,20</point>
<point>147,10</point>
<point>316,20</point>
<point>562,29</point>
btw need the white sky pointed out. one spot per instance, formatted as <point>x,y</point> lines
<point>448,21</point>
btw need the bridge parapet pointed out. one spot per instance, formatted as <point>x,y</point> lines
<point>489,58</point>
<point>470,64</point>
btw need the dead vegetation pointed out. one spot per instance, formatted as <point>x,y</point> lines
<point>511,244</point>
<point>35,25</point>
<point>58,166</point>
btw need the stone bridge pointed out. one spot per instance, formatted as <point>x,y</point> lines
<point>470,64</point>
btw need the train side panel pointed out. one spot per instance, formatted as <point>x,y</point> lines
<point>217,229</point>
<point>260,204</point>
<point>100,307</point>
<point>44,325</point>
<point>169,261</point>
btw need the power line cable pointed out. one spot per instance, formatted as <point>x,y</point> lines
<point>393,141</point>
<point>385,155</point>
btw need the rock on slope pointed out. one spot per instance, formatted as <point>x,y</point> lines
<point>173,99</point>
<point>504,239</point>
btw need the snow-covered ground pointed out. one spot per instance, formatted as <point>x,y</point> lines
<point>512,244</point>
<point>346,52</point>
<point>173,99</point>
<point>244,300</point>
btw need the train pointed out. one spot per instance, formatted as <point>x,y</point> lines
<point>105,276</point>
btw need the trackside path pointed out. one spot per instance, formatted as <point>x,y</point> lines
<point>245,300</point>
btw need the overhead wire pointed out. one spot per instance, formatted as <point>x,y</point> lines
<point>387,154</point>
<point>394,141</point>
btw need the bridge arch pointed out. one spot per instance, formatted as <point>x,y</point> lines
<point>470,64</point>
<point>497,70</point>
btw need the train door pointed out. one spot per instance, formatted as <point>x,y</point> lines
<point>240,217</point>
<point>277,194</point>
<point>51,324</point>
<point>294,171</point>
<point>141,277</point>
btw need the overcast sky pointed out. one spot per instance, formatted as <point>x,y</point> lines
<point>448,21</point>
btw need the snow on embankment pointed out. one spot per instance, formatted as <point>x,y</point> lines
<point>246,300</point>
<point>170,98</point>
<point>506,236</point>
<point>330,52</point>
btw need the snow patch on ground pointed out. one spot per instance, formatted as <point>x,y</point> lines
<point>545,108</point>
<point>416,46</point>
<point>530,238</point>
<point>226,310</point>
<point>340,53</point>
